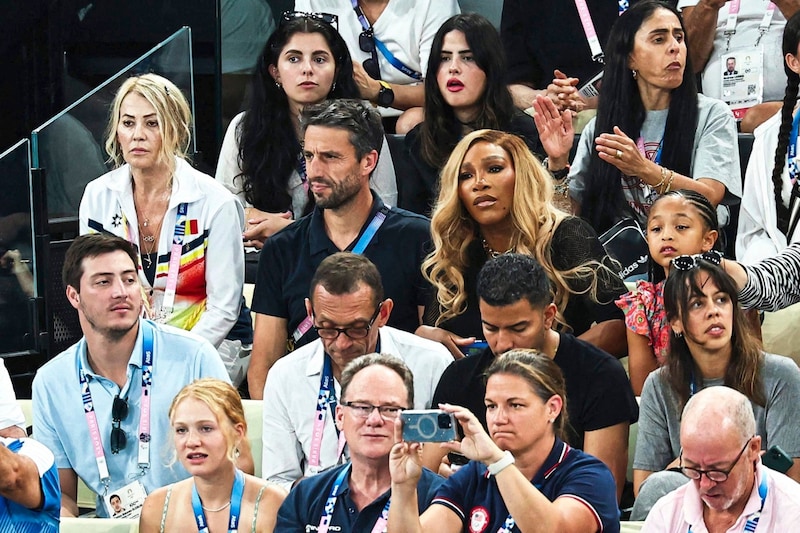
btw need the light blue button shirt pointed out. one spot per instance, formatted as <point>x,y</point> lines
<point>60,424</point>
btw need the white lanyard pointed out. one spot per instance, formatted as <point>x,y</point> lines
<point>144,413</point>
<point>733,20</point>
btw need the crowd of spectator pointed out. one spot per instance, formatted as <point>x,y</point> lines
<point>480,282</point>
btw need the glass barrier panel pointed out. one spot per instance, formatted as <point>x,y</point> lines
<point>17,261</point>
<point>70,146</point>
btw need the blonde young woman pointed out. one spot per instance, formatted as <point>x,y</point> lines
<point>209,427</point>
<point>496,197</point>
<point>158,202</point>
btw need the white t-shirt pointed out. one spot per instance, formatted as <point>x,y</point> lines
<point>750,14</point>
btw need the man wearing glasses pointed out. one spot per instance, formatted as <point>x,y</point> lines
<point>729,489</point>
<point>348,309</point>
<point>101,405</point>
<point>355,496</point>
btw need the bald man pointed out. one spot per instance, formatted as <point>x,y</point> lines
<point>729,489</point>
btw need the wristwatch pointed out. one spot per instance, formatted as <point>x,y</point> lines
<point>503,463</point>
<point>385,95</point>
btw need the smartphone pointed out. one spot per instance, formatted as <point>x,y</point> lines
<point>777,459</point>
<point>475,348</point>
<point>428,425</point>
<point>456,458</point>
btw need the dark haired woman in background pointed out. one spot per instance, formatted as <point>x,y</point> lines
<point>653,132</point>
<point>711,344</point>
<point>464,91</point>
<point>304,62</point>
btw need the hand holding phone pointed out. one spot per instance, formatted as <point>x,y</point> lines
<point>428,425</point>
<point>474,348</point>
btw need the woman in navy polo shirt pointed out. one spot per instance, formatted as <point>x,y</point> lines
<point>523,477</point>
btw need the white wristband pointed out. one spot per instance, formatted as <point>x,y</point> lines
<point>504,462</point>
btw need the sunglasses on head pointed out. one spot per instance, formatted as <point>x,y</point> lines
<point>366,41</point>
<point>328,18</point>
<point>119,411</point>
<point>688,262</point>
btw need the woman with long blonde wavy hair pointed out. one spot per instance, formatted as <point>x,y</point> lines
<point>496,197</point>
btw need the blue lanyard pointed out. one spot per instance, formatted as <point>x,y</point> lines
<point>372,229</point>
<point>752,520</point>
<point>236,503</point>
<point>791,152</point>
<point>396,63</point>
<point>330,505</point>
<point>144,409</point>
<point>327,394</point>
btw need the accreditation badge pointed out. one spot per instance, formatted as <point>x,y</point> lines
<point>125,502</point>
<point>742,79</point>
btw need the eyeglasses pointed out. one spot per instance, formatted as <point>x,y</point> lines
<point>717,476</point>
<point>119,410</point>
<point>366,41</point>
<point>328,18</point>
<point>354,333</point>
<point>363,410</point>
<point>688,262</point>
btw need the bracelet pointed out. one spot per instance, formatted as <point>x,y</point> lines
<point>557,174</point>
<point>669,182</point>
<point>503,463</point>
<point>663,179</point>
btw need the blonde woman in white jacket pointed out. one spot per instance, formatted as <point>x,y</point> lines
<point>157,201</point>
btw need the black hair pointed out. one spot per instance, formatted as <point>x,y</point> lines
<point>706,211</point>
<point>342,272</point>
<point>620,104</point>
<point>92,245</point>
<point>441,130</point>
<point>745,369</point>
<point>361,120</point>
<point>268,145</point>
<point>508,278</point>
<point>791,39</point>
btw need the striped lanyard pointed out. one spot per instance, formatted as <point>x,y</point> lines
<point>144,411</point>
<point>326,400</point>
<point>176,251</point>
<point>330,505</point>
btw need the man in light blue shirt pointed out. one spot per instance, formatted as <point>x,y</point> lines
<point>101,405</point>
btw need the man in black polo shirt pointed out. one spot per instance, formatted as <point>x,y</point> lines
<point>517,311</point>
<point>342,139</point>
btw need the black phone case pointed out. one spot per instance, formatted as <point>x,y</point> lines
<point>777,459</point>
